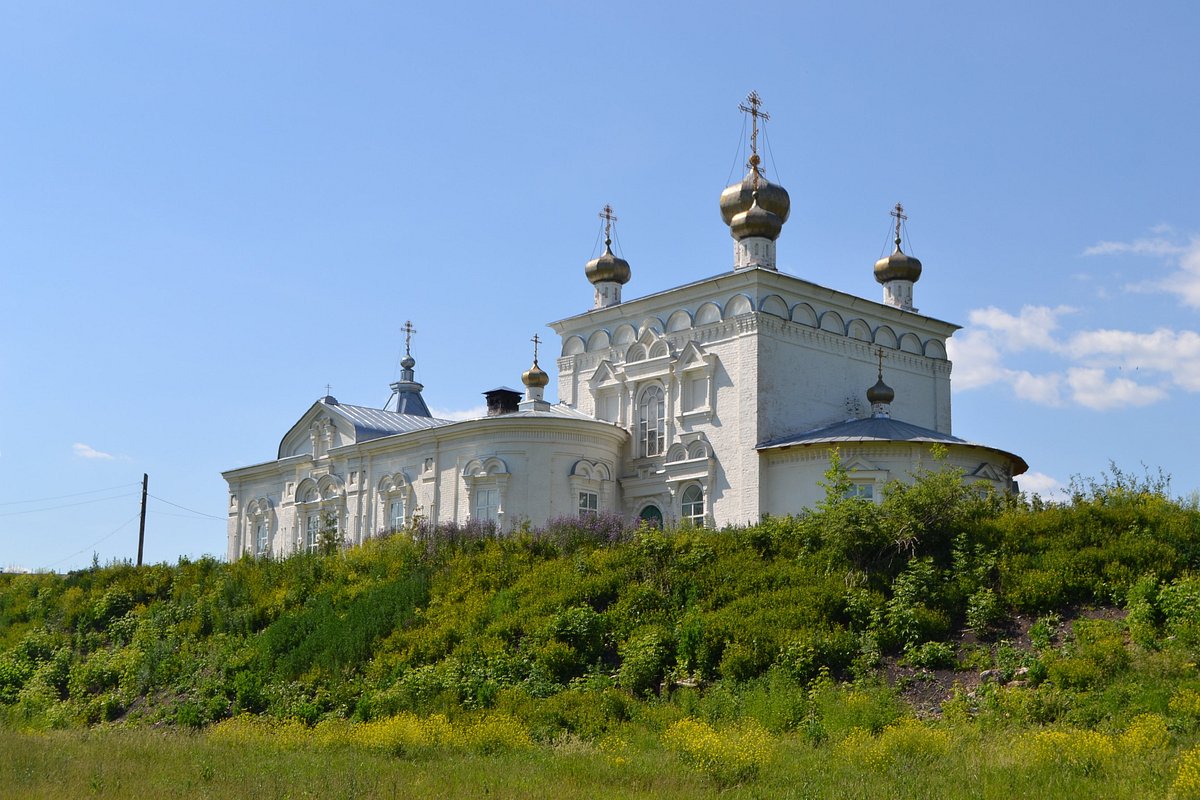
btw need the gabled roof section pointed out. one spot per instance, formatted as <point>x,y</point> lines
<point>367,423</point>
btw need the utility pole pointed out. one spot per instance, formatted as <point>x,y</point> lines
<point>142,527</point>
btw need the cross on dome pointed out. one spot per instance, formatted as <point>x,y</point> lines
<point>609,218</point>
<point>536,341</point>
<point>408,330</point>
<point>898,213</point>
<point>752,106</point>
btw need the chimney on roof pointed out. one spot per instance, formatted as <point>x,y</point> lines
<point>502,400</point>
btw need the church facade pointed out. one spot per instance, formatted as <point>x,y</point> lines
<point>713,403</point>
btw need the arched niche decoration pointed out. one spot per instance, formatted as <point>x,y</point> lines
<point>708,314</point>
<point>774,305</point>
<point>831,322</point>
<point>737,305</point>
<point>935,349</point>
<point>650,324</point>
<point>803,314</point>
<point>886,337</point>
<point>909,343</point>
<point>624,334</point>
<point>599,340</point>
<point>858,329</point>
<point>573,346</point>
<point>680,320</point>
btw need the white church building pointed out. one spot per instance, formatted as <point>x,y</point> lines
<point>714,403</point>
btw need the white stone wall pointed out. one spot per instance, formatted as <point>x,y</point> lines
<point>537,453</point>
<point>792,476</point>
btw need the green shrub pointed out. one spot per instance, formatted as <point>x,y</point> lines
<point>643,661</point>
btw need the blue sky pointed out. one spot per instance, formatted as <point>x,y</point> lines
<point>209,212</point>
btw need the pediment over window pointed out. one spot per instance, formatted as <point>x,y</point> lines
<point>990,472</point>
<point>605,374</point>
<point>484,468</point>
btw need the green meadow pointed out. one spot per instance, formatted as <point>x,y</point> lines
<point>940,643</point>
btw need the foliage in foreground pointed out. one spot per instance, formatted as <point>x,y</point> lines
<point>1086,614</point>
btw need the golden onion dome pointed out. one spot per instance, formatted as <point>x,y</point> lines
<point>739,197</point>
<point>880,393</point>
<point>608,267</point>
<point>535,376</point>
<point>899,266</point>
<point>756,221</point>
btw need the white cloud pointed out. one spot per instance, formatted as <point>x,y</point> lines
<point>1045,389</point>
<point>1039,483</point>
<point>1032,328</point>
<point>1184,281</point>
<point>1092,388</point>
<point>466,413</point>
<point>1138,247</point>
<point>87,451</point>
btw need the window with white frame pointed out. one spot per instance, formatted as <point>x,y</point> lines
<point>262,538</point>
<point>487,504</point>
<point>861,489</point>
<point>652,422</point>
<point>693,506</point>
<point>395,513</point>
<point>589,504</point>
<point>312,532</point>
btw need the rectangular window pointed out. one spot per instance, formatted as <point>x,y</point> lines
<point>312,532</point>
<point>864,490</point>
<point>396,514</point>
<point>260,539</point>
<point>487,504</point>
<point>588,504</point>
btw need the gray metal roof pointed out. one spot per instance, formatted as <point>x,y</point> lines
<point>871,429</point>
<point>879,429</point>
<point>373,423</point>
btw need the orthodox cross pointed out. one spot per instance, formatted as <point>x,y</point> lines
<point>609,218</point>
<point>409,330</point>
<point>752,107</point>
<point>536,341</point>
<point>879,352</point>
<point>898,213</point>
<point>328,390</point>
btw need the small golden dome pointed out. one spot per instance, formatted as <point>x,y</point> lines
<point>756,221</point>
<point>535,376</point>
<point>608,267</point>
<point>740,196</point>
<point>899,266</point>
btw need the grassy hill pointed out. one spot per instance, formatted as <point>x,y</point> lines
<point>883,633</point>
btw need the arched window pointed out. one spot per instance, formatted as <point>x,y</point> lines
<point>652,422</point>
<point>652,514</point>
<point>693,506</point>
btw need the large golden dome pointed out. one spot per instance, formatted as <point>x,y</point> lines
<point>738,198</point>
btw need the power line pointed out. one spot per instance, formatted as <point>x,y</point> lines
<point>109,535</point>
<point>185,508</point>
<point>63,496</point>
<point>66,505</point>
